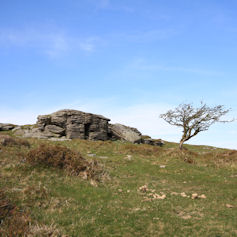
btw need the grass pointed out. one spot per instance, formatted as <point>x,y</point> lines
<point>58,203</point>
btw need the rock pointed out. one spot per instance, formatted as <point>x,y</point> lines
<point>194,195</point>
<point>122,132</point>
<point>7,126</point>
<point>128,157</point>
<point>153,142</point>
<point>203,196</point>
<point>55,129</point>
<point>68,124</point>
<point>183,194</point>
<point>229,206</point>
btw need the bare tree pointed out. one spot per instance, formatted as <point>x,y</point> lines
<point>194,120</point>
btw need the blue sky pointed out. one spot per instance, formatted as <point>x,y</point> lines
<point>129,60</point>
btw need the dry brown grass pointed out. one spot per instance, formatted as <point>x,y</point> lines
<point>220,159</point>
<point>141,149</point>
<point>64,158</point>
<point>6,140</point>
<point>13,222</point>
<point>44,230</point>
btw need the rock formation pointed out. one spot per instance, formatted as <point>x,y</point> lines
<point>6,126</point>
<point>122,132</point>
<point>69,124</point>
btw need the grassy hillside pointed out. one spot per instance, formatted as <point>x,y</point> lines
<point>144,191</point>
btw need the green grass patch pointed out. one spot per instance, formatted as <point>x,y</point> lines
<point>73,206</point>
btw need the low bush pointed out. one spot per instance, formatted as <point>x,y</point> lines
<point>64,158</point>
<point>6,140</point>
<point>13,222</point>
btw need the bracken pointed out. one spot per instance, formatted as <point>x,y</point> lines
<point>64,158</point>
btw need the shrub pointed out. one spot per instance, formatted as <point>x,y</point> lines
<point>13,222</point>
<point>6,140</point>
<point>64,158</point>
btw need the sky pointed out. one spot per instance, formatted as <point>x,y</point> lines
<point>129,60</point>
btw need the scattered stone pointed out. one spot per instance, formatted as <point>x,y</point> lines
<point>143,188</point>
<point>157,196</point>
<point>194,195</point>
<point>128,157</point>
<point>203,196</point>
<point>186,217</point>
<point>93,183</point>
<point>184,195</point>
<point>136,209</point>
<point>151,195</point>
<point>174,193</point>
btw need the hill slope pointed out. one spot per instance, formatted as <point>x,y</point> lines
<point>145,191</point>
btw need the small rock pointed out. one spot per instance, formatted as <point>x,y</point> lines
<point>186,217</point>
<point>162,166</point>
<point>91,155</point>
<point>229,206</point>
<point>128,191</point>
<point>174,193</point>
<point>120,190</point>
<point>93,183</point>
<point>183,194</point>
<point>137,209</point>
<point>203,196</point>
<point>128,157</point>
<point>143,188</point>
<point>194,195</point>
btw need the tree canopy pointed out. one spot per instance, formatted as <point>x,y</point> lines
<point>194,120</point>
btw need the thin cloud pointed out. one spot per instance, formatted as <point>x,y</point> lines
<point>51,44</point>
<point>140,64</point>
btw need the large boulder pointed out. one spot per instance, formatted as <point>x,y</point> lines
<point>6,126</point>
<point>68,124</point>
<point>122,132</point>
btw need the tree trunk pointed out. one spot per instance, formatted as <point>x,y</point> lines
<point>181,144</point>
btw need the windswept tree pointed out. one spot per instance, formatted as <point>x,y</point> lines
<point>194,120</point>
